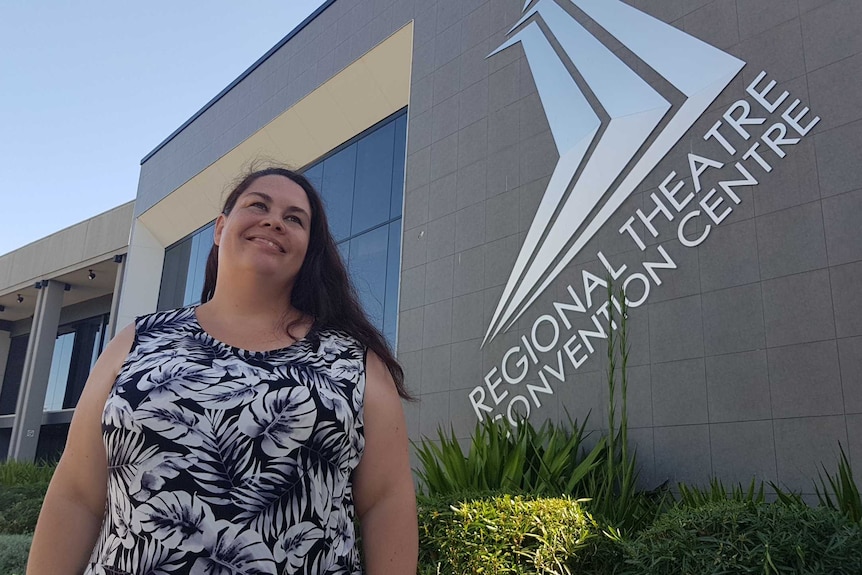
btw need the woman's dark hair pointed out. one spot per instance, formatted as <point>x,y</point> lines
<point>322,288</point>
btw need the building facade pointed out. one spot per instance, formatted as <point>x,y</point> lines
<point>58,296</point>
<point>490,167</point>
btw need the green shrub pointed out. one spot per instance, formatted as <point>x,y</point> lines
<point>550,460</point>
<point>838,491</point>
<point>845,494</point>
<point>19,508</point>
<point>13,553</point>
<point>744,537</point>
<point>693,496</point>
<point>20,473</point>
<point>505,534</point>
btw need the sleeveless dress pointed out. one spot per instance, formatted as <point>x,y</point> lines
<point>224,461</point>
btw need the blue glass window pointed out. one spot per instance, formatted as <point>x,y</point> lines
<point>336,189</point>
<point>367,265</point>
<point>59,375</point>
<point>399,158</point>
<point>372,196</point>
<point>393,281</point>
<point>315,175</point>
<point>344,250</point>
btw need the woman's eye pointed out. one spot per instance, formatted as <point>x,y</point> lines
<point>260,205</point>
<point>294,219</point>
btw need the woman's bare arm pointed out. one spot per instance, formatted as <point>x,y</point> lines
<point>74,506</point>
<point>383,484</point>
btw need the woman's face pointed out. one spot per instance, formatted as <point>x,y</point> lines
<point>267,231</point>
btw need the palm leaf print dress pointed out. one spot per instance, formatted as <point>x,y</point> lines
<point>227,461</point>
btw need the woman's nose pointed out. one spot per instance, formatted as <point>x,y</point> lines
<point>273,223</point>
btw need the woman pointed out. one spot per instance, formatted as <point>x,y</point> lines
<point>244,435</point>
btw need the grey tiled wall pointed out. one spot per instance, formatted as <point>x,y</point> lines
<point>747,361</point>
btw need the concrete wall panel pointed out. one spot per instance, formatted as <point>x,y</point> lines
<point>75,247</point>
<point>143,276</point>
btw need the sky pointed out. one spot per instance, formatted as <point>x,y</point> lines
<point>90,87</point>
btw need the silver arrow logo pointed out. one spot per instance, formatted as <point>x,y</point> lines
<point>638,119</point>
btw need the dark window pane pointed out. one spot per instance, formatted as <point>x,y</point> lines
<point>5,438</point>
<point>12,377</point>
<point>398,160</point>
<point>337,190</point>
<point>52,442</point>
<point>207,235</point>
<point>87,335</point>
<point>190,271</point>
<point>174,274</point>
<point>368,271</point>
<point>99,344</point>
<point>373,178</point>
<point>201,244</point>
<point>393,279</point>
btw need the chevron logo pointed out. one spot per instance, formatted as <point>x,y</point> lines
<point>605,149</point>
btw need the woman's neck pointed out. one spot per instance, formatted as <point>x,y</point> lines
<point>252,318</point>
<point>248,295</point>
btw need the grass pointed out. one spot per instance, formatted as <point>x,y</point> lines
<point>14,550</point>
<point>14,473</point>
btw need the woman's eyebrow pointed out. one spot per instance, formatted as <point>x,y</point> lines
<point>266,197</point>
<point>299,210</point>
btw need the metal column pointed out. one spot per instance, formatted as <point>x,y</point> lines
<point>37,369</point>
<point>118,291</point>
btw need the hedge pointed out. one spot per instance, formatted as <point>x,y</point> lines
<point>505,534</point>
<point>13,553</point>
<point>746,537</point>
<point>19,508</point>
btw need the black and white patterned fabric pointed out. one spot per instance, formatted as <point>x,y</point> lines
<point>227,461</point>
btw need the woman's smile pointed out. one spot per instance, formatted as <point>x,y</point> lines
<point>268,243</point>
